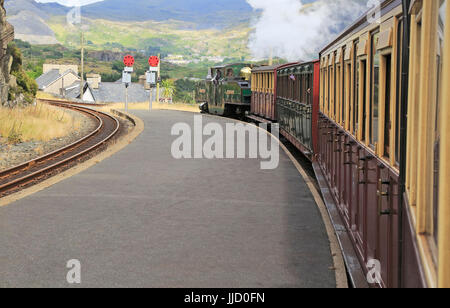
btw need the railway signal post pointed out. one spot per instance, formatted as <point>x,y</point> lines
<point>152,76</point>
<point>126,76</point>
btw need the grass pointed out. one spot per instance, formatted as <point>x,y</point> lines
<point>35,123</point>
<point>43,95</point>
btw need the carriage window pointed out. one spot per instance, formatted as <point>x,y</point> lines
<point>334,102</point>
<point>286,80</point>
<point>399,92</point>
<point>374,99</point>
<point>387,109</point>
<point>305,89</point>
<point>293,84</point>
<point>330,74</point>
<point>337,95</point>
<point>356,90</point>
<point>322,87</point>
<point>346,96</point>
<point>363,68</point>
<point>343,85</point>
<point>327,89</point>
<point>310,89</point>
<point>437,106</point>
<point>302,88</point>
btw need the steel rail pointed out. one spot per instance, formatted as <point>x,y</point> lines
<point>101,117</point>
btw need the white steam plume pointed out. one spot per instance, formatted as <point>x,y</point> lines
<point>296,30</point>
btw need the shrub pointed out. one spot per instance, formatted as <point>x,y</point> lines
<point>24,81</point>
<point>17,56</point>
<point>26,85</point>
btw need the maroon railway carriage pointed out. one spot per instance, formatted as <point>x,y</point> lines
<point>297,105</point>
<point>289,94</point>
<point>359,116</point>
<point>264,93</point>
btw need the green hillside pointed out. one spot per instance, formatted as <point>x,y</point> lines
<point>168,37</point>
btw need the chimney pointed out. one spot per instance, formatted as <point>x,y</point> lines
<point>143,82</point>
<point>94,80</point>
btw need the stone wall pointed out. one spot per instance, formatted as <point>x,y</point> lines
<point>6,36</point>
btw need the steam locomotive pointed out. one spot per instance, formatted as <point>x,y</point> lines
<point>226,90</point>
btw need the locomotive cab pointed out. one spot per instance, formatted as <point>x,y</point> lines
<point>226,90</point>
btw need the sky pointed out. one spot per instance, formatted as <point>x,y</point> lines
<point>70,2</point>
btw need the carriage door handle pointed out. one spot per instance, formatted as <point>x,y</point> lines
<point>382,194</point>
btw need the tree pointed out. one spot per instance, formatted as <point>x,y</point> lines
<point>169,88</point>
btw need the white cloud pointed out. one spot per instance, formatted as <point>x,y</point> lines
<point>70,2</point>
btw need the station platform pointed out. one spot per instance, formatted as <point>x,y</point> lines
<point>142,218</point>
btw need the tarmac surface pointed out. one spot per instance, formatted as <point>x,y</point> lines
<point>144,219</point>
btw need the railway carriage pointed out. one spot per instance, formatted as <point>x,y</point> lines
<point>289,95</point>
<point>383,147</point>
<point>263,93</point>
<point>297,105</point>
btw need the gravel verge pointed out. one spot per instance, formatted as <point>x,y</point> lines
<point>13,155</point>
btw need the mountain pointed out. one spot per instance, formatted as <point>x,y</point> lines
<point>204,13</point>
<point>44,10</point>
<point>32,28</point>
<point>33,20</point>
<point>30,20</point>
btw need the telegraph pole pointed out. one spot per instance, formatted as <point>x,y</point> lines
<point>82,65</point>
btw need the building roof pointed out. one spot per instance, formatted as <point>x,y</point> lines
<point>48,78</point>
<point>73,91</point>
<point>114,92</point>
<point>270,68</point>
<point>51,77</point>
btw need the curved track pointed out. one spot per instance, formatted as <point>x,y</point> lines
<point>17,177</point>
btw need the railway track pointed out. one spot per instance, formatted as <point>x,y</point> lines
<point>30,172</point>
<point>65,102</point>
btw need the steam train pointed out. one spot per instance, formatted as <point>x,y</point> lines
<point>372,116</point>
<point>226,90</point>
